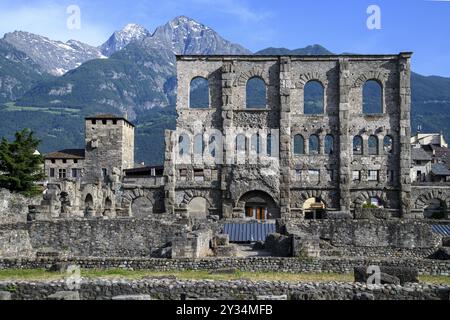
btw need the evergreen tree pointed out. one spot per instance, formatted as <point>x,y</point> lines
<point>20,167</point>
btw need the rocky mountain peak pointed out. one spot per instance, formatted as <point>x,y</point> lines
<point>120,39</point>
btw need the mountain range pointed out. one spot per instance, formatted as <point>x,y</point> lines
<point>49,86</point>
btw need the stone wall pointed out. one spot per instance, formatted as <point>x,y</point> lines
<point>14,206</point>
<point>372,233</point>
<point>101,238</point>
<point>164,289</point>
<point>253,264</point>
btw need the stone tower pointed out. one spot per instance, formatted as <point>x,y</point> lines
<point>109,144</point>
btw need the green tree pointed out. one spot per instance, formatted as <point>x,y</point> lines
<point>20,167</point>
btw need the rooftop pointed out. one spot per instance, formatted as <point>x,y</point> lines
<point>439,169</point>
<point>420,154</point>
<point>108,116</point>
<point>66,154</point>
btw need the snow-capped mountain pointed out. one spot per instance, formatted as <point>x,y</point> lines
<point>120,39</point>
<point>55,57</point>
<point>184,35</point>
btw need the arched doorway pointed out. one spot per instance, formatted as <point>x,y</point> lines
<point>198,207</point>
<point>435,209</point>
<point>314,208</point>
<point>259,205</point>
<point>88,205</point>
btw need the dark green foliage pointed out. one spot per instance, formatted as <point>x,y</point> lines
<point>20,168</point>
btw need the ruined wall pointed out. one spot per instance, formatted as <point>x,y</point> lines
<point>101,238</point>
<point>287,182</point>
<point>375,233</point>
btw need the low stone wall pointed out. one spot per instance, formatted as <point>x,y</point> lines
<point>255,264</point>
<point>371,233</point>
<point>164,289</point>
<point>95,237</point>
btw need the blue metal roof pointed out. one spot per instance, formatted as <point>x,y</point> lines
<point>248,232</point>
<point>441,229</point>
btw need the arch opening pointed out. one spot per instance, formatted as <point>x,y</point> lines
<point>259,205</point>
<point>141,207</point>
<point>256,93</point>
<point>199,93</point>
<point>313,98</point>
<point>372,97</point>
<point>435,209</point>
<point>314,208</point>
<point>198,208</point>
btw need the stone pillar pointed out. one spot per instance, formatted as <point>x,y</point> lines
<point>344,136</point>
<point>285,136</point>
<point>404,69</point>
<point>228,75</point>
<point>169,172</point>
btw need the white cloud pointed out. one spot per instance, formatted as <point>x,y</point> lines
<point>49,20</point>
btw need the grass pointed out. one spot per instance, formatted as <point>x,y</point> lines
<point>41,274</point>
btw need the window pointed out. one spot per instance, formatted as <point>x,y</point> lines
<point>330,173</point>
<point>183,145</point>
<point>388,144</point>
<point>269,145</point>
<point>255,93</point>
<point>314,175</point>
<point>53,161</point>
<point>373,145</point>
<point>75,173</point>
<point>213,145</point>
<point>62,174</point>
<point>198,145</point>
<point>199,93</point>
<point>75,160</point>
<point>357,145</point>
<point>104,121</point>
<point>240,143</point>
<point>373,175</point>
<point>114,121</point>
<point>372,97</point>
<point>313,98</point>
<point>255,143</point>
<point>356,175</point>
<point>104,172</point>
<point>199,175</point>
<point>64,161</point>
<point>390,176</point>
<point>299,144</point>
<point>183,174</point>
<point>313,144</point>
<point>329,144</point>
<point>52,172</point>
<point>94,121</point>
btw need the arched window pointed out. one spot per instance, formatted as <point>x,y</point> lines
<point>255,143</point>
<point>372,97</point>
<point>313,98</point>
<point>388,144</point>
<point>199,93</point>
<point>357,145</point>
<point>299,144</point>
<point>213,145</point>
<point>329,144</point>
<point>183,145</point>
<point>269,145</point>
<point>198,144</point>
<point>89,201</point>
<point>314,144</point>
<point>373,145</point>
<point>256,93</point>
<point>240,143</point>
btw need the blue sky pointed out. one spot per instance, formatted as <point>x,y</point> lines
<point>339,25</point>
